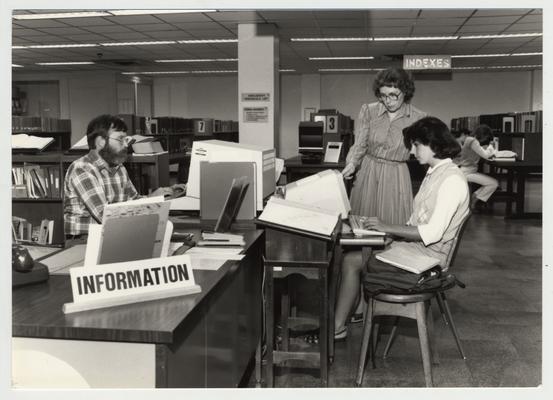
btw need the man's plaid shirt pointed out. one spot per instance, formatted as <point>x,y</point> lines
<point>90,184</point>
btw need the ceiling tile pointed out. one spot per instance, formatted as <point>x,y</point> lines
<point>126,37</point>
<point>185,17</point>
<point>237,17</point>
<point>133,19</point>
<point>501,11</point>
<point>108,29</point>
<point>447,13</point>
<point>392,13</point>
<point>94,21</point>
<point>40,23</point>
<point>492,21</point>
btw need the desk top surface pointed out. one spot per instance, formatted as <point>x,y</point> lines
<point>37,310</point>
<point>297,162</point>
<point>518,164</point>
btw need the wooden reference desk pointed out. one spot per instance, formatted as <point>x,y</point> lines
<point>200,340</point>
<point>517,172</point>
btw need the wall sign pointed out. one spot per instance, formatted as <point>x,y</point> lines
<point>415,62</point>
<point>256,114</point>
<point>256,96</point>
<point>128,282</point>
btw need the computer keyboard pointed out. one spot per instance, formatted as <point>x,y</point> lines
<point>356,224</point>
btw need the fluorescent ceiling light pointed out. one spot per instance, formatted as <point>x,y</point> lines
<point>537,53</point>
<point>147,43</point>
<point>18,47</point>
<point>143,12</point>
<point>83,14</point>
<point>507,35</point>
<point>467,68</point>
<point>61,46</point>
<point>17,66</point>
<point>377,39</point>
<point>349,69</point>
<point>287,70</point>
<point>207,41</point>
<point>514,66</point>
<point>480,55</point>
<point>180,72</point>
<point>333,39</point>
<point>66,63</point>
<point>340,58</point>
<point>192,60</point>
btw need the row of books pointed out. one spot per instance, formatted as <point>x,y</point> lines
<point>170,125</point>
<point>24,231</point>
<point>522,122</point>
<point>40,124</point>
<point>36,182</point>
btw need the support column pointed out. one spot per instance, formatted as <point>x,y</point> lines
<point>258,85</point>
<point>310,94</point>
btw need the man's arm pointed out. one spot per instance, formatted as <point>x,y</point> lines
<point>90,191</point>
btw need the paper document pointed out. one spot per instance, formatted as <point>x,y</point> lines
<point>38,252</point>
<point>185,203</point>
<point>407,260</point>
<point>24,141</point>
<point>60,263</point>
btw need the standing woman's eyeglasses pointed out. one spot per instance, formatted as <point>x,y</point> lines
<point>391,96</point>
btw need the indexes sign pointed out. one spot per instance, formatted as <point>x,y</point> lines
<point>413,62</point>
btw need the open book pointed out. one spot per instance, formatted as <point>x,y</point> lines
<point>82,144</point>
<point>402,258</point>
<point>504,155</point>
<point>300,216</point>
<point>28,142</point>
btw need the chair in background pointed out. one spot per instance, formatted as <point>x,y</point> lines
<point>415,306</point>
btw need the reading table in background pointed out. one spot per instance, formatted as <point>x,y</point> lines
<point>207,339</point>
<point>517,174</point>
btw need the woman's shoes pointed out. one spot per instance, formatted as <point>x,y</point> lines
<point>339,336</point>
<point>356,318</point>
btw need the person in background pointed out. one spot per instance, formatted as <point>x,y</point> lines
<point>378,160</point>
<point>461,135</point>
<point>99,177</point>
<point>477,146</point>
<point>440,206</point>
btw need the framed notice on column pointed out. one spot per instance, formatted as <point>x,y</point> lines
<point>256,114</point>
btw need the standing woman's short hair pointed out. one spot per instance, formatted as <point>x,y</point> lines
<point>483,133</point>
<point>100,126</point>
<point>395,77</point>
<point>432,132</point>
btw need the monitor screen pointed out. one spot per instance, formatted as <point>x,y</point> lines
<point>311,137</point>
<point>232,204</point>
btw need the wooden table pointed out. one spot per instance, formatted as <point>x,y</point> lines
<point>200,340</point>
<point>517,172</point>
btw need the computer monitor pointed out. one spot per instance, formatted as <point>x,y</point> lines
<point>232,204</point>
<point>311,140</point>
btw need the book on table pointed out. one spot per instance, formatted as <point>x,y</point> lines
<point>402,258</point>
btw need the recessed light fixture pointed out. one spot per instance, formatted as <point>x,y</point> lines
<point>180,72</point>
<point>144,12</point>
<point>333,39</point>
<point>83,14</point>
<point>198,41</point>
<point>287,70</point>
<point>404,38</point>
<point>501,36</point>
<point>17,66</point>
<point>18,47</point>
<point>480,55</point>
<point>61,46</point>
<point>193,60</point>
<point>349,69</point>
<point>514,66</point>
<point>141,43</point>
<point>537,53</point>
<point>66,63</point>
<point>340,58</point>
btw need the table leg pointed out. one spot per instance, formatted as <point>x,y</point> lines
<point>521,187</point>
<point>269,323</point>
<point>323,325</point>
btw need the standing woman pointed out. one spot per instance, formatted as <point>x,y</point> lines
<point>382,185</point>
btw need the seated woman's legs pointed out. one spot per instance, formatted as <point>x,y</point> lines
<point>348,293</point>
<point>488,185</point>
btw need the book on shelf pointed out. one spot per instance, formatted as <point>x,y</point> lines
<point>402,258</point>
<point>299,217</point>
<point>504,155</point>
<point>35,181</point>
<point>29,143</point>
<point>221,239</point>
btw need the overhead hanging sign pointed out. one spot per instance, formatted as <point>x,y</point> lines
<point>256,96</point>
<point>417,62</point>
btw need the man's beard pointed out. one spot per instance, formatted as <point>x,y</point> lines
<point>113,157</point>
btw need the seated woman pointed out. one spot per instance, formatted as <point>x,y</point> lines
<point>439,207</point>
<point>471,152</point>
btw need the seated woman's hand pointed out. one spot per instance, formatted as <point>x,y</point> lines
<point>374,223</point>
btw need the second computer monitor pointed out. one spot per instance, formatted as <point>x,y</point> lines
<point>311,140</point>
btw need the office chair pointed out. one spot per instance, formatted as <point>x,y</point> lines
<point>415,306</point>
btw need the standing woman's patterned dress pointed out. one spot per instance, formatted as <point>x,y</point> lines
<point>382,185</point>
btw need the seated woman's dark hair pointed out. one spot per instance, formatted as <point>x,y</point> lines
<point>432,132</point>
<point>395,77</point>
<point>101,125</point>
<point>483,134</point>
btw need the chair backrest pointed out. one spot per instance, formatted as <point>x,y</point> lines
<point>454,247</point>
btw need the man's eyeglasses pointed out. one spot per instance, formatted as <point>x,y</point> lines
<point>125,140</point>
<point>391,96</point>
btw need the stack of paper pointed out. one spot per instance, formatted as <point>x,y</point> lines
<point>407,260</point>
<point>221,239</point>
